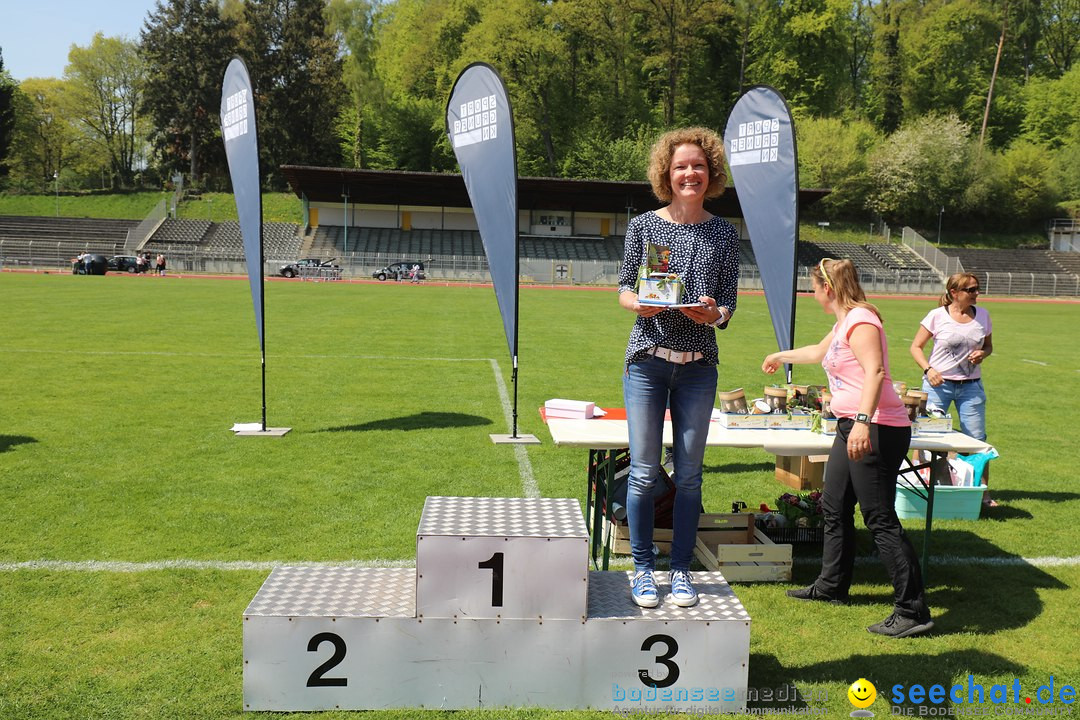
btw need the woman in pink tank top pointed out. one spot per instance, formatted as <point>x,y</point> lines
<point>872,437</point>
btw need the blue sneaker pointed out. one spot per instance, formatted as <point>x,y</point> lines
<point>643,590</point>
<point>682,591</point>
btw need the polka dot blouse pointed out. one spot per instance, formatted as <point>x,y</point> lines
<point>706,256</point>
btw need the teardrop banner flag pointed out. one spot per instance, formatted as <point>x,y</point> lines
<point>242,153</point>
<point>760,144</point>
<point>480,126</point>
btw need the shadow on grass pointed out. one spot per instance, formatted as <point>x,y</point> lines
<point>884,670</point>
<point>967,565</point>
<point>741,467</point>
<point>418,421</point>
<point>1055,496</point>
<point>9,441</point>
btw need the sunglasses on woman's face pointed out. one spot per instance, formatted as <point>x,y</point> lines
<point>972,289</point>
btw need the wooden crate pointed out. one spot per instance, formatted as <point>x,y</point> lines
<point>715,528</point>
<point>801,472</point>
<point>764,561</point>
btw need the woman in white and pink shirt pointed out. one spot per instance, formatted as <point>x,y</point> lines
<point>872,437</point>
<point>963,339</point>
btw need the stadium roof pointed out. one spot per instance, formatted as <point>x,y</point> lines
<point>399,187</point>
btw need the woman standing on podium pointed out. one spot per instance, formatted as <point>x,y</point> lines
<point>671,356</point>
<point>872,437</point>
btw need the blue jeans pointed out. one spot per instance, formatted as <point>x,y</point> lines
<point>970,401</point>
<point>650,386</point>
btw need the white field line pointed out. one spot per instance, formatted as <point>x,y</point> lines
<point>528,481</point>
<point>394,358</point>
<point>1035,362</point>
<point>180,564</point>
<point>616,563</point>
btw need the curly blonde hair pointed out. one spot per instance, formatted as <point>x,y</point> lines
<point>664,148</point>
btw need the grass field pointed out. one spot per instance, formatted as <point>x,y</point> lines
<point>118,393</point>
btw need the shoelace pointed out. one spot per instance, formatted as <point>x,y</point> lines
<point>680,582</point>
<point>644,584</point>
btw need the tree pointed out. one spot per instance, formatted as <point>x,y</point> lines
<point>47,139</point>
<point>833,154</point>
<point>354,23</point>
<point>884,99</point>
<point>8,89</point>
<point>800,47</point>
<point>920,168</point>
<point>1060,39</point>
<point>186,45</point>
<point>674,36</point>
<point>949,56</point>
<point>296,72</point>
<point>107,80</point>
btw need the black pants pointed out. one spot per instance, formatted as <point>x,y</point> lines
<point>870,481</point>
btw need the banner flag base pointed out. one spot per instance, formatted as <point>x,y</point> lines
<point>268,432</point>
<point>505,439</point>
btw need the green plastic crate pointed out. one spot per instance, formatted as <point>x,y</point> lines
<point>950,503</point>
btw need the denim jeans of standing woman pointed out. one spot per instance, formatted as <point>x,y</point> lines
<point>650,387</point>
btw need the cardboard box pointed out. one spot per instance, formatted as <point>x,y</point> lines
<point>660,290</point>
<point>714,528</point>
<point>928,425</point>
<point>734,420</point>
<point>780,421</point>
<point>559,408</point>
<point>800,472</point>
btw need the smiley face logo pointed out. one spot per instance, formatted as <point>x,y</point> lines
<point>862,693</point>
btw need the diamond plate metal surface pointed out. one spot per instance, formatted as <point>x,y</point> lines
<point>609,599</point>
<point>509,517</point>
<point>336,592</point>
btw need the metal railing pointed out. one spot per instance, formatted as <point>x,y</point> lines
<point>138,235</point>
<point>943,263</point>
<point>51,254</point>
<point>1026,283</point>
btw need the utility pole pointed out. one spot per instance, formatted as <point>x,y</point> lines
<point>940,213</point>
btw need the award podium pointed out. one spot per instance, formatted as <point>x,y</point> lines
<point>500,611</point>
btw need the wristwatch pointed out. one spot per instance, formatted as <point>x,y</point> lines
<point>926,370</point>
<point>724,317</point>
<point>862,418</point>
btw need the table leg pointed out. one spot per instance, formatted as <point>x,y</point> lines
<point>939,473</point>
<point>609,494</point>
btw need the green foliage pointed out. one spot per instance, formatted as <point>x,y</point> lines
<point>920,168</point>
<point>8,90</point>
<point>186,45</point>
<point>594,155</point>
<point>294,66</point>
<point>1059,42</point>
<point>808,60</point>
<point>1050,117</point>
<point>106,82</point>
<point>950,53</point>
<point>833,154</point>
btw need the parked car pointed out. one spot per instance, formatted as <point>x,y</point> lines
<point>292,269</point>
<point>126,263</point>
<point>91,265</point>
<point>403,267</point>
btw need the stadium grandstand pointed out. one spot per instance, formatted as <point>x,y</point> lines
<point>569,231</point>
